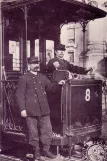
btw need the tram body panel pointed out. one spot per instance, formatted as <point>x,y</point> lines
<point>14,126</point>
<point>81,111</point>
<point>83,103</point>
<point>78,105</point>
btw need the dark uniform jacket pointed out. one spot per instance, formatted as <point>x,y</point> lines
<point>31,95</point>
<point>64,65</point>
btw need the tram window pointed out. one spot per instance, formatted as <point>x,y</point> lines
<point>14,52</point>
<point>37,48</point>
<point>49,50</point>
<point>71,56</point>
<point>28,48</point>
<point>15,56</point>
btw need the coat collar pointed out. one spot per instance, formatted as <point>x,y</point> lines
<point>31,74</point>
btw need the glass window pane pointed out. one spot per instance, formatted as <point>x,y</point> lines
<point>15,56</point>
<point>28,48</point>
<point>49,50</point>
<point>37,48</point>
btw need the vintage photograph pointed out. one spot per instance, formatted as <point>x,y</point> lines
<point>53,80</point>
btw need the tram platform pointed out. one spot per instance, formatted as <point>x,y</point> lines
<point>59,158</point>
<point>11,157</point>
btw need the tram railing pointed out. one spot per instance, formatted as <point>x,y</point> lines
<point>12,121</point>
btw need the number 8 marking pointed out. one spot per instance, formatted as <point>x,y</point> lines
<point>87,96</point>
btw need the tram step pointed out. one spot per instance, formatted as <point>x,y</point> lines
<point>8,158</point>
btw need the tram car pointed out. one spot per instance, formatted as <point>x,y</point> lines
<point>77,113</point>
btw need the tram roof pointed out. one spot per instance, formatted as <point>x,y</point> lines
<point>58,10</point>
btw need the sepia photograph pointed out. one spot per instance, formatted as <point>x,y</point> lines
<point>53,80</point>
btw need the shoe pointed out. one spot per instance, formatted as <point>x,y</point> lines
<point>48,154</point>
<point>37,156</point>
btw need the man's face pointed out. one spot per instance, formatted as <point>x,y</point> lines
<point>34,67</point>
<point>60,53</point>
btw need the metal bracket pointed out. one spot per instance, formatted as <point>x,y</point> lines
<point>84,24</point>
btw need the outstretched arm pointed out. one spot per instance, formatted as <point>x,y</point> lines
<point>78,70</point>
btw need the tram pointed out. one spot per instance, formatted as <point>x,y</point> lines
<point>28,20</point>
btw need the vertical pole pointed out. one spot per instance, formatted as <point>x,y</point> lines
<point>84,26</point>
<point>1,105</point>
<point>42,51</point>
<point>26,27</point>
<point>0,41</point>
<point>42,46</point>
<point>21,40</point>
<point>58,34</point>
<point>32,46</point>
<point>25,52</point>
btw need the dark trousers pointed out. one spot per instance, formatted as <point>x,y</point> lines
<point>40,129</point>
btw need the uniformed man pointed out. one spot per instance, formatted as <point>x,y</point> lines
<point>60,67</point>
<point>32,100</point>
<point>60,70</point>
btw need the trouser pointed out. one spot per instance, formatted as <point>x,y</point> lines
<point>40,129</point>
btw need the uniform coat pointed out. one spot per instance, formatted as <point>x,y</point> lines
<point>31,95</point>
<point>57,75</point>
<point>64,65</point>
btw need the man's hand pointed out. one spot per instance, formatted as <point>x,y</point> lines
<point>56,64</point>
<point>23,113</point>
<point>90,69</point>
<point>61,82</point>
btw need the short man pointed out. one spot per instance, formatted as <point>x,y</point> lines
<point>58,66</point>
<point>32,100</point>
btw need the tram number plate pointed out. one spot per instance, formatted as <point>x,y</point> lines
<point>87,94</point>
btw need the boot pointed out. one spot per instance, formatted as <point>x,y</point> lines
<point>36,152</point>
<point>37,156</point>
<point>49,155</point>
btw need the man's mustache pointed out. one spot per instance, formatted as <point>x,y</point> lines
<point>37,68</point>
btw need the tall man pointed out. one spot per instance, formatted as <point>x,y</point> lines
<point>60,69</point>
<point>32,100</point>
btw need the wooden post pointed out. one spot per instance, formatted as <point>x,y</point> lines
<point>32,47</point>
<point>42,51</point>
<point>42,46</point>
